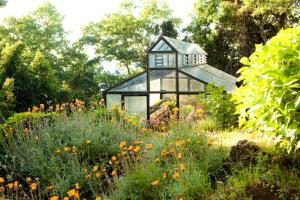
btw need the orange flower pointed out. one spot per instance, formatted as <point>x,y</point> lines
<point>95,168</point>
<point>179,142</point>
<point>33,186</point>
<point>154,183</point>
<point>67,149</point>
<point>149,146</point>
<point>54,198</point>
<point>71,193</point>
<point>2,180</point>
<point>137,158</point>
<point>113,158</point>
<point>176,175</point>
<point>164,153</point>
<point>97,174</point>
<point>16,183</point>
<point>10,185</point>
<point>114,173</point>
<point>49,188</point>
<point>171,150</point>
<point>98,198</point>
<point>130,148</point>
<point>122,144</point>
<point>66,198</point>
<point>179,155</point>
<point>137,149</point>
<point>138,142</point>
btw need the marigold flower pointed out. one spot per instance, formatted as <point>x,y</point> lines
<point>54,198</point>
<point>98,198</point>
<point>179,155</point>
<point>95,168</point>
<point>137,158</point>
<point>66,198</point>
<point>157,160</point>
<point>176,175</point>
<point>149,146</point>
<point>171,150</point>
<point>137,149</point>
<point>10,185</point>
<point>180,198</point>
<point>138,142</point>
<point>113,158</point>
<point>33,186</point>
<point>2,180</point>
<point>71,192</point>
<point>67,149</point>
<point>110,162</point>
<point>179,142</point>
<point>16,184</point>
<point>49,188</point>
<point>154,183</point>
<point>97,174</point>
<point>164,153</point>
<point>182,166</point>
<point>114,173</point>
<point>130,148</point>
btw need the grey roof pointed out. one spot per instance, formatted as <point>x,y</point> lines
<point>185,47</point>
<point>209,74</point>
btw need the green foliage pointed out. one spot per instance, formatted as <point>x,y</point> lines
<point>268,99</point>
<point>7,98</point>
<point>229,30</point>
<point>57,152</point>
<point>218,105</point>
<point>125,35</point>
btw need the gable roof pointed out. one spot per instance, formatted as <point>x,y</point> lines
<point>185,47</point>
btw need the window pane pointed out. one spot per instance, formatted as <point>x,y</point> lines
<point>162,80</point>
<point>138,84</point>
<point>187,83</point>
<point>154,99</point>
<point>162,60</point>
<point>162,46</point>
<point>113,100</point>
<point>136,105</point>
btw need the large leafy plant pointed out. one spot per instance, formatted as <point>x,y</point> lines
<point>269,97</point>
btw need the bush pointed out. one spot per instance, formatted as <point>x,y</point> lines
<point>269,98</point>
<point>219,106</point>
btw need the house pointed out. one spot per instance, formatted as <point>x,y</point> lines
<point>174,69</point>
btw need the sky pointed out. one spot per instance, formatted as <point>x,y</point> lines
<point>78,13</point>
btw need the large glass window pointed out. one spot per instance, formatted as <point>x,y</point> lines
<point>136,105</point>
<point>162,80</point>
<point>162,60</point>
<point>113,100</point>
<point>162,46</point>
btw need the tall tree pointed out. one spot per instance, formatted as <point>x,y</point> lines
<point>168,29</point>
<point>124,36</point>
<point>234,27</point>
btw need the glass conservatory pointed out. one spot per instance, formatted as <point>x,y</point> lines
<point>174,70</point>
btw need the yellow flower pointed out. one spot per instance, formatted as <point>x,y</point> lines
<point>49,188</point>
<point>98,198</point>
<point>149,146</point>
<point>180,198</point>
<point>73,150</point>
<point>10,185</point>
<point>171,150</point>
<point>77,186</point>
<point>113,158</point>
<point>95,168</point>
<point>97,174</point>
<point>182,166</point>
<point>67,149</point>
<point>138,142</point>
<point>122,144</point>
<point>175,110</point>
<point>88,142</point>
<point>2,180</point>
<point>110,162</point>
<point>71,193</point>
<point>157,160</point>
<point>114,173</point>
<point>179,155</point>
<point>137,149</point>
<point>88,176</point>
<point>66,198</point>
<point>26,131</point>
<point>154,183</point>
<point>57,151</point>
<point>176,175</point>
<point>16,183</point>
<point>130,148</point>
<point>33,186</point>
<point>54,198</point>
<point>137,158</point>
<point>164,153</point>
<point>179,142</point>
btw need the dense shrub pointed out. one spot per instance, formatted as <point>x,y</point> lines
<point>269,97</point>
<point>219,106</point>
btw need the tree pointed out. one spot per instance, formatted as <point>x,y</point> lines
<point>229,30</point>
<point>124,36</point>
<point>7,98</point>
<point>269,99</point>
<point>2,3</point>
<point>168,29</point>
